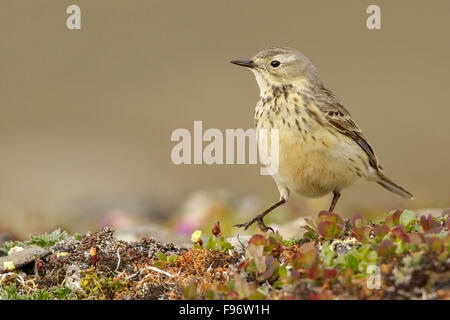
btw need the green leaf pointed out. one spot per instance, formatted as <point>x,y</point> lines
<point>256,296</point>
<point>209,295</point>
<point>352,262</point>
<point>443,257</point>
<point>64,293</point>
<point>161,256</point>
<point>310,233</point>
<point>211,245</point>
<point>78,236</point>
<point>172,258</point>
<point>327,254</point>
<point>41,294</point>
<point>329,230</point>
<point>224,245</point>
<point>282,271</point>
<point>407,218</point>
<point>278,284</point>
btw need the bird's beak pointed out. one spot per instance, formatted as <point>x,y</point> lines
<point>244,63</point>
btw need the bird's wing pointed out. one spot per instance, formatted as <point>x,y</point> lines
<point>340,118</point>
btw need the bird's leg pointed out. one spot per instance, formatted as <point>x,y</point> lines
<point>336,196</point>
<point>259,218</point>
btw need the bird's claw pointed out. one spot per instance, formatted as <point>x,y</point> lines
<point>260,221</point>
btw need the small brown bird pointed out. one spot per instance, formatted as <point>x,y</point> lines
<point>321,149</point>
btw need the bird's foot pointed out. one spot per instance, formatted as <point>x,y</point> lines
<point>261,225</point>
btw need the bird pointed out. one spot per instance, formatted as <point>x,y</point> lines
<point>321,148</point>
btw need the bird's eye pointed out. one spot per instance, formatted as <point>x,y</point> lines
<point>275,64</point>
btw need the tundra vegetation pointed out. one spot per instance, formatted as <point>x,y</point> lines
<point>401,256</point>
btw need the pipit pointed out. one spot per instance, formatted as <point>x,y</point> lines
<point>321,149</point>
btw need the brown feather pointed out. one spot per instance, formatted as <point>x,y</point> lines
<point>340,118</point>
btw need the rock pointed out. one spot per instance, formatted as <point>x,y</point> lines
<point>292,228</point>
<point>24,257</point>
<point>73,277</point>
<point>344,246</point>
<point>239,242</point>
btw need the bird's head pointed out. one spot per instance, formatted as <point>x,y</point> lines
<point>277,66</point>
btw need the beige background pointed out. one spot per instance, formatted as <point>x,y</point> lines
<point>88,114</point>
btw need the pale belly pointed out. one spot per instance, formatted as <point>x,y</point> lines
<point>316,164</point>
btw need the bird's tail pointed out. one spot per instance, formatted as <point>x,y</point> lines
<point>391,186</point>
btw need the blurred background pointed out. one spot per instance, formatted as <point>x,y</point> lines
<point>87,115</point>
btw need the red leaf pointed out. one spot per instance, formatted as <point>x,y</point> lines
<point>358,221</point>
<point>310,223</point>
<point>400,233</point>
<point>315,296</point>
<point>329,273</point>
<point>307,257</point>
<point>359,224</point>
<point>436,244</point>
<point>385,248</point>
<point>429,224</point>
<point>328,216</point>
<point>357,233</point>
<point>329,230</point>
<point>416,238</point>
<point>393,219</point>
<point>381,230</point>
<point>216,229</point>
<point>313,271</point>
<point>269,268</point>
<point>242,265</point>
<point>257,239</point>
